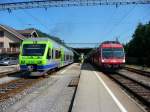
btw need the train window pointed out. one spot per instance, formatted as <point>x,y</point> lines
<point>67,57</point>
<point>64,57</point>
<point>57,54</point>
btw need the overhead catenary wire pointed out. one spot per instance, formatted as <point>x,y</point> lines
<point>33,17</point>
<point>45,25</point>
<point>119,22</point>
<point>108,21</point>
<point>42,23</point>
<point>19,19</point>
<point>116,25</point>
<point>123,32</point>
<point>65,3</point>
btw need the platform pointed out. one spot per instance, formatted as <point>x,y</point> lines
<point>54,95</point>
<point>8,69</point>
<point>97,93</point>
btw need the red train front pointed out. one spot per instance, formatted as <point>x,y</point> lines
<point>110,54</point>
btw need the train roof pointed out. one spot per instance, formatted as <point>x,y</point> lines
<point>110,42</point>
<point>46,39</point>
<point>37,39</point>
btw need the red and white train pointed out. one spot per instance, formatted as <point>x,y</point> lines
<point>110,54</point>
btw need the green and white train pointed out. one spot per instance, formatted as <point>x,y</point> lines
<point>40,55</point>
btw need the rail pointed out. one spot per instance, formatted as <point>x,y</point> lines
<point>140,91</point>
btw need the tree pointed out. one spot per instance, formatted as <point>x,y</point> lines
<point>139,45</point>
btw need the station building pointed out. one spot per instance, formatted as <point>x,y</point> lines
<point>10,39</point>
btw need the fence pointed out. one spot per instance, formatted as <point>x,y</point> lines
<point>9,50</point>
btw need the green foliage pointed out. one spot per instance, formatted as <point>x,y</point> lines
<point>139,45</point>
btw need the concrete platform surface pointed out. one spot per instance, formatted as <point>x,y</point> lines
<point>53,96</point>
<point>97,93</point>
<point>11,68</point>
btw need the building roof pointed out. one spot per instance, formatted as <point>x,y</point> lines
<point>27,31</point>
<point>12,31</point>
<point>20,34</point>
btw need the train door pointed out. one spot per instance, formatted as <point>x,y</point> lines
<point>62,56</point>
<point>49,55</point>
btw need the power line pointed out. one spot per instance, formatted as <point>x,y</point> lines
<point>66,3</point>
<point>20,20</point>
<point>120,21</point>
<point>36,19</point>
<point>108,20</point>
<point>122,33</point>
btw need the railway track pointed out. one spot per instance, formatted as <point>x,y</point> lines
<point>142,72</point>
<point>10,89</point>
<point>140,91</point>
<point>9,73</point>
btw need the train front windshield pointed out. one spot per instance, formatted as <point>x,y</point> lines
<point>112,53</point>
<point>33,49</point>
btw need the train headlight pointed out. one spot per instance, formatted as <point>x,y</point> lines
<point>123,61</point>
<point>6,62</point>
<point>103,60</point>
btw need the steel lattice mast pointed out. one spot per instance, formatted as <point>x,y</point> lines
<point>66,3</point>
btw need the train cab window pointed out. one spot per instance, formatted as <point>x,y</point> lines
<point>33,49</point>
<point>112,52</point>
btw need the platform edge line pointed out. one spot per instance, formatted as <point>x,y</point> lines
<point>66,69</point>
<point>121,107</point>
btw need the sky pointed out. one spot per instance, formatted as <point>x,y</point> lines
<point>86,24</point>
